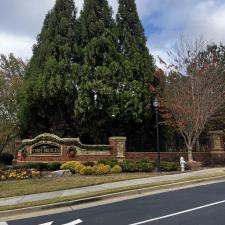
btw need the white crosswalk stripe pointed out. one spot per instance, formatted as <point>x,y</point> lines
<point>3,223</point>
<point>75,222</point>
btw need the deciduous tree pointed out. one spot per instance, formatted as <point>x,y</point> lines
<point>193,90</point>
<point>11,78</point>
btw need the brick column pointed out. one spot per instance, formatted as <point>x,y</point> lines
<point>216,141</point>
<point>118,145</point>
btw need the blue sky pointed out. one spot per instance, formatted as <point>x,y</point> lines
<point>164,22</point>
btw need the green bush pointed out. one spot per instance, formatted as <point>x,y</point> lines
<point>37,166</point>
<point>88,163</point>
<point>87,170</point>
<point>169,166</point>
<point>145,165</point>
<point>110,163</point>
<point>54,166</point>
<point>129,166</point>
<point>116,169</point>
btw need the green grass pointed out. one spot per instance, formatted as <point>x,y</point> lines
<point>34,186</point>
<point>196,179</point>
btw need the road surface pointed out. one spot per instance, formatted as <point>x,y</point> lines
<point>204,205</point>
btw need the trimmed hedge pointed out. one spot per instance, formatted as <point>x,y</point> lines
<point>110,163</point>
<point>129,166</point>
<point>146,165</point>
<point>54,166</point>
<point>37,166</point>
<point>169,166</point>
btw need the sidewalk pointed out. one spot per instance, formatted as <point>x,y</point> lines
<point>104,187</point>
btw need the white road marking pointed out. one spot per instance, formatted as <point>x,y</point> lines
<point>49,223</point>
<point>3,223</point>
<point>179,213</point>
<point>75,222</point>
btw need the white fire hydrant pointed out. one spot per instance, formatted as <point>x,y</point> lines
<point>182,164</point>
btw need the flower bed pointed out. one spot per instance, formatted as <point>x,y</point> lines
<point>104,167</point>
<point>6,175</point>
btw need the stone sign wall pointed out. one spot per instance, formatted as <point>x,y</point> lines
<point>49,147</point>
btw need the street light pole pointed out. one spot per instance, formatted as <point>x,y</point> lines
<point>156,105</point>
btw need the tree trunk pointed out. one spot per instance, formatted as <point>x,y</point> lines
<point>190,154</point>
<point>197,145</point>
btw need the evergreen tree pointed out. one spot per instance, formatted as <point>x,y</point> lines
<point>137,68</point>
<point>47,98</point>
<point>94,106</point>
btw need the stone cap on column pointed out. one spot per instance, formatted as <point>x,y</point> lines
<point>118,138</point>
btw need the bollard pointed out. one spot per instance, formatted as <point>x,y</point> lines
<point>182,164</point>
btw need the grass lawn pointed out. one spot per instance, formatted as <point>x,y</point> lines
<point>76,197</point>
<point>32,186</point>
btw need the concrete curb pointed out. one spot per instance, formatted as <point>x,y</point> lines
<point>159,188</point>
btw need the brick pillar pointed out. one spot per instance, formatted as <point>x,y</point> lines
<point>118,145</point>
<point>216,141</point>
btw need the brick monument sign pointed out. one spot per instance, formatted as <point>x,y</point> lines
<point>48,148</point>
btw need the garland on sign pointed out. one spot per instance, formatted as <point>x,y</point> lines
<point>66,141</point>
<point>24,153</point>
<point>71,152</point>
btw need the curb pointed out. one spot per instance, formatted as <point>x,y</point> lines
<point>164,187</point>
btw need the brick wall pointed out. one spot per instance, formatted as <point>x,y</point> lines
<point>198,156</point>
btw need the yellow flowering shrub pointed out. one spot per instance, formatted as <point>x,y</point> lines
<point>73,166</point>
<point>116,169</point>
<point>87,170</point>
<point>18,174</point>
<point>101,169</point>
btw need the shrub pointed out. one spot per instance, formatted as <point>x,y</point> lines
<point>169,166</point>
<point>145,165</point>
<point>116,169</point>
<point>54,166</point>
<point>87,170</point>
<point>129,166</point>
<point>73,166</point>
<point>101,169</point>
<point>37,166</point>
<point>88,163</point>
<point>6,158</point>
<point>110,163</point>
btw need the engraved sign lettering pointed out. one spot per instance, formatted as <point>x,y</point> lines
<point>46,149</point>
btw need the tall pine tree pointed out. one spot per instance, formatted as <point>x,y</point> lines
<point>46,101</point>
<point>95,105</point>
<point>137,68</point>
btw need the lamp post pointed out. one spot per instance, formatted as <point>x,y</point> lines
<point>156,105</point>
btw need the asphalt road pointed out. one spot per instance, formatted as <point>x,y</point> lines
<point>204,205</point>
